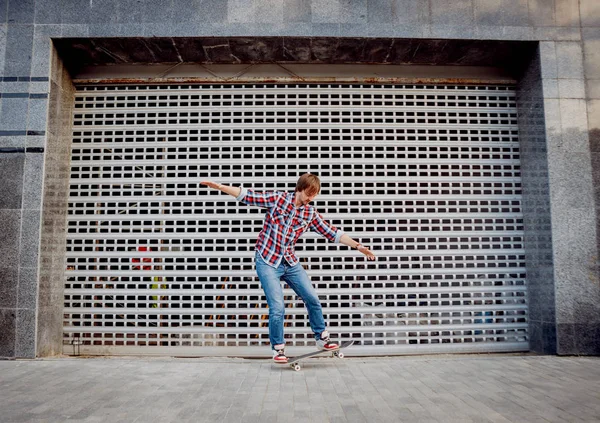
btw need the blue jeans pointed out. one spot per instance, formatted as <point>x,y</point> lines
<point>298,280</point>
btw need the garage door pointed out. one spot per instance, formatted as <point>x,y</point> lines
<point>428,176</point>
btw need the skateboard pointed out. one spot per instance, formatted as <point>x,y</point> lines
<point>294,362</point>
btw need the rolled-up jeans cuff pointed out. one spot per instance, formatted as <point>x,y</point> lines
<point>278,346</point>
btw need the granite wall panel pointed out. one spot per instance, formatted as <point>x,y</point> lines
<point>46,12</point>
<point>11,175</point>
<point>19,48</point>
<point>574,124</point>
<point>30,238</point>
<point>457,13</point>
<point>3,11</point>
<point>126,14</point>
<point>9,276</point>
<point>501,12</point>
<point>591,52</point>
<point>3,31</point>
<point>25,332</point>
<point>7,332</point>
<point>590,12</point>
<point>569,60</point>
<point>53,220</point>
<point>574,200</point>
<point>354,12</point>
<point>591,61</point>
<point>541,13</point>
<point>295,11</point>
<point>269,12</point>
<point>14,113</point>
<point>40,62</point>
<point>538,240</point>
<point>566,12</point>
<point>381,11</point>
<point>411,12</point>
<point>10,221</point>
<point>79,11</point>
<point>571,88</point>
<point>326,11</point>
<point>10,228</point>
<point>21,12</point>
<point>27,295</point>
<point>590,21</point>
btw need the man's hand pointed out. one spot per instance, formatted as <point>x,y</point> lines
<point>346,240</point>
<point>366,252</point>
<point>211,184</point>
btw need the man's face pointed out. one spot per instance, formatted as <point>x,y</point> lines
<point>306,197</point>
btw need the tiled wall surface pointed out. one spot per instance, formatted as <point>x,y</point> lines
<point>569,63</point>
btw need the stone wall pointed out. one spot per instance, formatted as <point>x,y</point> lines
<point>569,73</point>
<point>54,219</point>
<point>536,209</point>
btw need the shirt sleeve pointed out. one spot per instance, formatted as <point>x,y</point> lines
<point>266,199</point>
<point>325,228</point>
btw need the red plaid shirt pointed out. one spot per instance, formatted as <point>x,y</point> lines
<point>284,224</point>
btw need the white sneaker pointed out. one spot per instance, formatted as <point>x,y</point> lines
<point>279,356</point>
<point>325,342</point>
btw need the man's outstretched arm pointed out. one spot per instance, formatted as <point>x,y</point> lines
<point>234,191</point>
<point>325,228</point>
<point>346,240</point>
<point>265,199</point>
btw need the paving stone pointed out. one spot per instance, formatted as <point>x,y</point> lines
<point>459,389</point>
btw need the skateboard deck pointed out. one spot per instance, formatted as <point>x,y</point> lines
<point>294,362</point>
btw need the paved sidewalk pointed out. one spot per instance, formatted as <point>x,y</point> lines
<point>463,388</point>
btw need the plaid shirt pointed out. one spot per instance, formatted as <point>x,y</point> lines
<point>284,224</point>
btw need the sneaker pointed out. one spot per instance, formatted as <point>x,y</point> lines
<point>279,356</point>
<point>325,343</point>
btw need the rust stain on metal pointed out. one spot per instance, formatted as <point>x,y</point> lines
<point>283,80</point>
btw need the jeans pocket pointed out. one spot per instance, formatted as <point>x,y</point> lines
<point>258,258</point>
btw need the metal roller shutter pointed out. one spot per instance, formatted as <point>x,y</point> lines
<point>427,176</point>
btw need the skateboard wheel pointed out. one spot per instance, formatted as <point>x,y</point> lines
<point>297,367</point>
<point>340,355</point>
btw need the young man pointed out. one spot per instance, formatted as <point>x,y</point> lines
<point>289,216</point>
